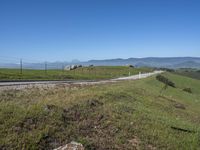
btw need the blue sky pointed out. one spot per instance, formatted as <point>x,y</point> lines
<point>62,30</point>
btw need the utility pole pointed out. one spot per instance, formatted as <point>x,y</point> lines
<point>20,66</point>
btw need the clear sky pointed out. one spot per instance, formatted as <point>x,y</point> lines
<point>62,30</point>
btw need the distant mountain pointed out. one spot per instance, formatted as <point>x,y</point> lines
<point>188,64</point>
<point>75,61</point>
<point>166,62</point>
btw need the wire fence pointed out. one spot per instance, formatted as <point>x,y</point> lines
<point>19,68</point>
<point>21,64</point>
<point>25,68</point>
<point>11,66</point>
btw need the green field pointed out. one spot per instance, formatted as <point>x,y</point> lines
<point>98,72</point>
<point>192,73</point>
<point>124,115</point>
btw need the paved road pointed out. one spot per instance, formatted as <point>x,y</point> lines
<point>134,77</point>
<point>139,76</point>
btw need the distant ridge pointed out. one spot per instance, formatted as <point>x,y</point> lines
<point>168,62</point>
<point>165,62</point>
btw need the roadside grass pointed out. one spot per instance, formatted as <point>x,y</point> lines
<point>123,115</point>
<point>97,72</point>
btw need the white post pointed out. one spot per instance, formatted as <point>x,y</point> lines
<point>139,75</point>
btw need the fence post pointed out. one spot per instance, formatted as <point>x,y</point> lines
<point>95,73</point>
<point>20,66</point>
<point>139,75</point>
<point>45,67</point>
<point>63,68</point>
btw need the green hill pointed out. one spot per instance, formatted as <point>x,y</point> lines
<point>124,115</point>
<point>88,73</point>
<point>192,73</point>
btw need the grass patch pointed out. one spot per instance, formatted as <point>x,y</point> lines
<point>192,73</point>
<point>98,72</point>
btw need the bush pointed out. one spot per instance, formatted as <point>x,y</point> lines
<point>189,90</point>
<point>131,66</point>
<point>165,80</point>
<point>167,69</point>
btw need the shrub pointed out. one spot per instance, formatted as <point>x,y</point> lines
<point>167,69</point>
<point>131,66</point>
<point>189,90</point>
<point>165,80</point>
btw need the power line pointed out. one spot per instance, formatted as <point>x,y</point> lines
<point>17,59</point>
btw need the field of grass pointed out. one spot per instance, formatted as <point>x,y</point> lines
<point>192,73</point>
<point>124,115</point>
<point>98,72</point>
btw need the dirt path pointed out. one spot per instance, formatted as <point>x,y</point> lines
<point>21,85</point>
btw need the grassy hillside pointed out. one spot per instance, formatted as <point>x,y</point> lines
<point>100,72</point>
<point>192,73</point>
<point>125,115</point>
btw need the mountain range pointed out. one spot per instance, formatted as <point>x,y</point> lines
<point>161,62</point>
<point>165,62</point>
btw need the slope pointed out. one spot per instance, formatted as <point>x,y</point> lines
<point>125,115</point>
